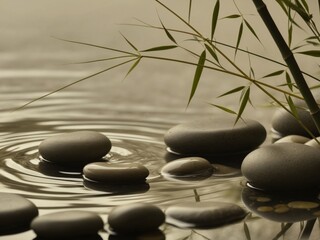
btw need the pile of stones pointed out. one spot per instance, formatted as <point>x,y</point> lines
<point>290,164</point>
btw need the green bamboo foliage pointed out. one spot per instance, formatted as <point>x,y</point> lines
<point>214,58</point>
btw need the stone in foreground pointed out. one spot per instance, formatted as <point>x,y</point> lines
<point>75,148</point>
<point>67,224</point>
<point>215,136</point>
<point>116,173</point>
<point>283,167</point>
<point>16,212</point>
<point>135,218</point>
<point>188,168</point>
<point>203,214</point>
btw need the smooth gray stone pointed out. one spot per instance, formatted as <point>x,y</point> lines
<point>293,139</point>
<point>67,224</point>
<point>283,167</point>
<point>285,124</point>
<point>75,147</point>
<point>313,143</point>
<point>188,168</point>
<point>135,218</point>
<point>15,212</point>
<point>115,173</point>
<point>203,214</point>
<point>215,136</point>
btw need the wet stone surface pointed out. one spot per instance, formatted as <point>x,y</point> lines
<point>67,224</point>
<point>203,214</point>
<point>75,148</point>
<point>283,167</point>
<point>293,139</point>
<point>16,213</point>
<point>215,136</point>
<point>135,218</point>
<point>116,173</point>
<point>190,168</point>
<point>313,143</point>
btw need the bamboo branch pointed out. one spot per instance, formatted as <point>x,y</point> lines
<point>290,60</point>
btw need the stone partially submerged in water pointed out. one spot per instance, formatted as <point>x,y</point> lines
<point>203,214</point>
<point>135,218</point>
<point>67,225</point>
<point>75,147</point>
<point>190,168</point>
<point>116,173</point>
<point>215,136</point>
<point>283,167</point>
<point>16,213</point>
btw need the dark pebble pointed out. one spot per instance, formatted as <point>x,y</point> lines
<point>203,214</point>
<point>283,167</point>
<point>75,148</point>
<point>135,218</point>
<point>16,213</point>
<point>116,173</point>
<point>67,224</point>
<point>188,168</point>
<point>215,136</point>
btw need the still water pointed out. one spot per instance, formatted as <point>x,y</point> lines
<point>134,113</point>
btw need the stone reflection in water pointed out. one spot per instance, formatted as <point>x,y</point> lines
<point>204,214</point>
<point>135,188</point>
<point>155,235</point>
<point>289,208</point>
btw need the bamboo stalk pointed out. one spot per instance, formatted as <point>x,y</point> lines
<point>290,60</point>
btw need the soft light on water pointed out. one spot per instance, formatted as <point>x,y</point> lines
<point>134,113</point>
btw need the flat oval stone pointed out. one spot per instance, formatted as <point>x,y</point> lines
<point>67,224</point>
<point>203,214</point>
<point>16,212</point>
<point>76,147</point>
<point>188,168</point>
<point>215,136</point>
<point>293,139</point>
<point>135,218</point>
<point>284,167</point>
<point>116,173</point>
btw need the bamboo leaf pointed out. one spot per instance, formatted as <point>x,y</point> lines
<point>246,231</point>
<point>168,33</point>
<point>223,108</point>
<point>239,37</point>
<point>276,73</point>
<point>238,89</point>
<point>212,53</point>
<point>234,16</point>
<point>292,106</point>
<point>289,81</point>
<point>197,75</point>
<point>251,29</point>
<point>134,65</point>
<point>305,4</point>
<point>243,103</point>
<point>313,53</point>
<point>160,48</point>
<point>215,18</point>
<point>129,42</point>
